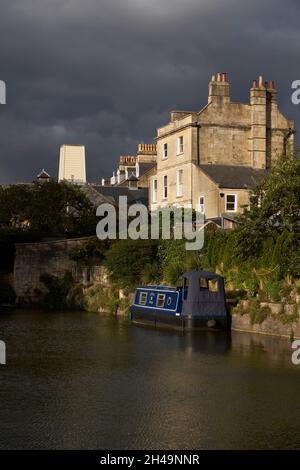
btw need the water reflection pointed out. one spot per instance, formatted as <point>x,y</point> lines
<point>77,380</point>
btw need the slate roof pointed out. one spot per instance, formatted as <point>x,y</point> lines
<point>234,177</point>
<point>112,193</point>
<point>94,196</point>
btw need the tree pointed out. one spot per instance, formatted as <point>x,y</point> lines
<point>274,208</point>
<point>127,260</point>
<point>51,208</point>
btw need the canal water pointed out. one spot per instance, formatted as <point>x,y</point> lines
<point>82,381</point>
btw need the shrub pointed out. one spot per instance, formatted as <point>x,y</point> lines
<point>288,319</point>
<point>57,291</point>
<point>126,260</point>
<point>173,272</point>
<point>257,313</point>
<point>272,289</point>
<point>97,298</point>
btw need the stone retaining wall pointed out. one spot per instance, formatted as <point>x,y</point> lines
<point>273,324</point>
<point>51,257</point>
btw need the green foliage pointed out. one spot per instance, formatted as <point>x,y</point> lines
<point>270,229</point>
<point>151,273</point>
<point>75,299</point>
<point>97,298</point>
<point>89,251</point>
<point>52,208</point>
<point>127,260</point>
<point>257,313</point>
<point>287,319</point>
<point>57,292</point>
<point>272,289</point>
<point>285,291</point>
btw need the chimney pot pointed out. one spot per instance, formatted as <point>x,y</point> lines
<point>254,84</point>
<point>272,84</point>
<point>213,78</point>
<point>218,77</point>
<point>260,81</point>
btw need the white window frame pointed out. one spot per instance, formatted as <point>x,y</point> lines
<point>165,187</point>
<point>165,151</point>
<point>154,190</point>
<point>180,145</point>
<point>143,298</point>
<point>235,202</point>
<point>201,205</point>
<point>179,185</point>
<point>160,300</point>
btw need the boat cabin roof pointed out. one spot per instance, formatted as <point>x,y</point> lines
<point>153,287</point>
<point>203,274</point>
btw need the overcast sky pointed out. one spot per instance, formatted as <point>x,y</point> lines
<point>106,73</point>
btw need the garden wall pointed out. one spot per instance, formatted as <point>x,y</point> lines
<point>53,258</point>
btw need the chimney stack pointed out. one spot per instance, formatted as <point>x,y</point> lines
<point>218,90</point>
<point>258,140</point>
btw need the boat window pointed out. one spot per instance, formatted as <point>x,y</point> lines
<point>213,285</point>
<point>203,283</point>
<point>160,300</point>
<point>143,298</point>
<point>169,300</point>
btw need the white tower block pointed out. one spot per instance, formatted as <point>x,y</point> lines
<point>72,164</point>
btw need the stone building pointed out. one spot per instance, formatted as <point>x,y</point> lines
<point>139,166</point>
<point>209,159</point>
<point>72,164</point>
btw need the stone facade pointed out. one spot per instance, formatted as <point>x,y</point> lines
<point>224,134</point>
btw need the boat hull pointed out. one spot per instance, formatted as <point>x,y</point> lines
<point>195,322</point>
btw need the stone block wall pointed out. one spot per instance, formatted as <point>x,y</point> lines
<point>273,324</point>
<point>51,257</point>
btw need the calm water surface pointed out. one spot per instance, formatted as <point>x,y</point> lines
<point>78,380</point>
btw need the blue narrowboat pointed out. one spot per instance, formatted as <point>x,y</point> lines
<point>199,303</point>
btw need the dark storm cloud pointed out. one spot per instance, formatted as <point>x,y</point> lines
<point>106,73</point>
